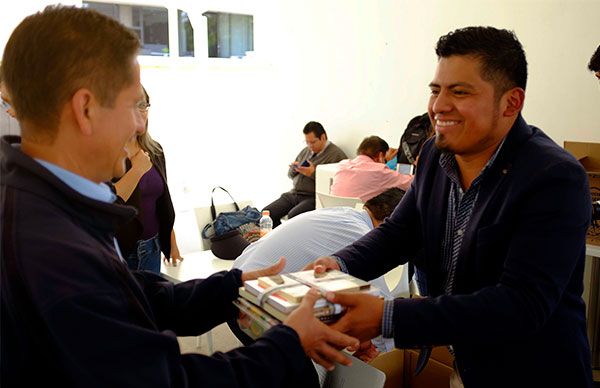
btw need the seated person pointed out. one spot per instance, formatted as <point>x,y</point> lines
<point>320,232</point>
<point>367,175</point>
<point>301,198</point>
<point>313,234</point>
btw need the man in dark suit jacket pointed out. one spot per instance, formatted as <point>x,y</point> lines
<point>496,219</point>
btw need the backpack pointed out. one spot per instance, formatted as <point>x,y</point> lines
<point>417,131</point>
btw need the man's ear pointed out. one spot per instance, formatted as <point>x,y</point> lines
<point>515,98</point>
<point>82,105</point>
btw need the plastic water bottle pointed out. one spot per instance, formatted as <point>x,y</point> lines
<point>265,223</point>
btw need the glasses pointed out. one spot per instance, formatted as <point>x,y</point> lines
<point>142,106</point>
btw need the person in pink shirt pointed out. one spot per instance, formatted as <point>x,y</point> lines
<point>367,175</point>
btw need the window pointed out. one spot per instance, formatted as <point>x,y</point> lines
<point>186,35</point>
<point>229,35</point>
<point>149,23</point>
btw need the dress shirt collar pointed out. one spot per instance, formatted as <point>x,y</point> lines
<point>97,191</point>
<point>448,163</point>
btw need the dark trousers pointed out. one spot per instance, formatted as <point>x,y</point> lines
<point>290,204</point>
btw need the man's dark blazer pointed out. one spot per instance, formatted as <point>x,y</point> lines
<point>517,308</point>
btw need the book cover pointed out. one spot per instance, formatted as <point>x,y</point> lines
<point>293,286</point>
<point>335,281</point>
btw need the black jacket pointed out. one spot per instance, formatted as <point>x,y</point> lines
<point>517,318</point>
<point>73,315</point>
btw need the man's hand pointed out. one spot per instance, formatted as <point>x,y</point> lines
<point>366,351</point>
<point>323,264</point>
<point>363,315</point>
<point>272,270</point>
<point>307,171</point>
<point>319,341</point>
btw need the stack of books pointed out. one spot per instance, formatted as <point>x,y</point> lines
<point>269,300</point>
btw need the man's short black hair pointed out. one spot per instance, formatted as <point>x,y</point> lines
<point>594,64</point>
<point>372,146</point>
<point>382,205</point>
<point>314,127</point>
<point>501,54</point>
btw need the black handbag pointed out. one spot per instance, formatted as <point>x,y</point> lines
<point>231,232</point>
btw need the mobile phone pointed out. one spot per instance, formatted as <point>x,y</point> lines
<point>405,168</point>
<point>305,163</point>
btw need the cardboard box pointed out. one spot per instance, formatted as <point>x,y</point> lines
<point>588,155</point>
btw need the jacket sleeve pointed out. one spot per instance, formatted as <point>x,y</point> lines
<point>106,346</point>
<point>192,307</point>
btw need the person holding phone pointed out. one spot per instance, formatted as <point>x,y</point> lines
<point>318,150</point>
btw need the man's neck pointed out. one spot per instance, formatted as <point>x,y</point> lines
<point>375,221</point>
<point>471,165</point>
<point>53,152</point>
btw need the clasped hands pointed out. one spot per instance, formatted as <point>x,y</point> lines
<point>321,342</point>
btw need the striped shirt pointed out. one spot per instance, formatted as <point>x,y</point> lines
<point>460,207</point>
<point>306,237</point>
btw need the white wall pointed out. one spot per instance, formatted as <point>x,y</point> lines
<point>359,67</point>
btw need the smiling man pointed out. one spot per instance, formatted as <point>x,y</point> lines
<point>496,220</point>
<point>71,309</point>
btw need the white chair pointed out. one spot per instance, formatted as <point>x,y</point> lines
<point>329,200</point>
<point>203,217</point>
<point>397,281</point>
<point>324,179</point>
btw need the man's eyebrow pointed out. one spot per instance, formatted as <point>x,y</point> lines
<point>452,86</point>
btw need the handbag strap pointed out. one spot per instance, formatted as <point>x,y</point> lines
<point>213,210</point>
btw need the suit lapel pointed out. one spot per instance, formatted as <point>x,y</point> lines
<point>494,178</point>
<point>435,230</point>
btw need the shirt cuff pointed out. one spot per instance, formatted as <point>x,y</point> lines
<point>341,263</point>
<point>387,321</point>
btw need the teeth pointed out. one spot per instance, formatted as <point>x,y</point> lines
<point>445,123</point>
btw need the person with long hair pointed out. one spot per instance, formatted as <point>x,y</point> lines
<point>144,186</point>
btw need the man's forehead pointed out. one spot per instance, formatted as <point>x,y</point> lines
<point>458,70</point>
